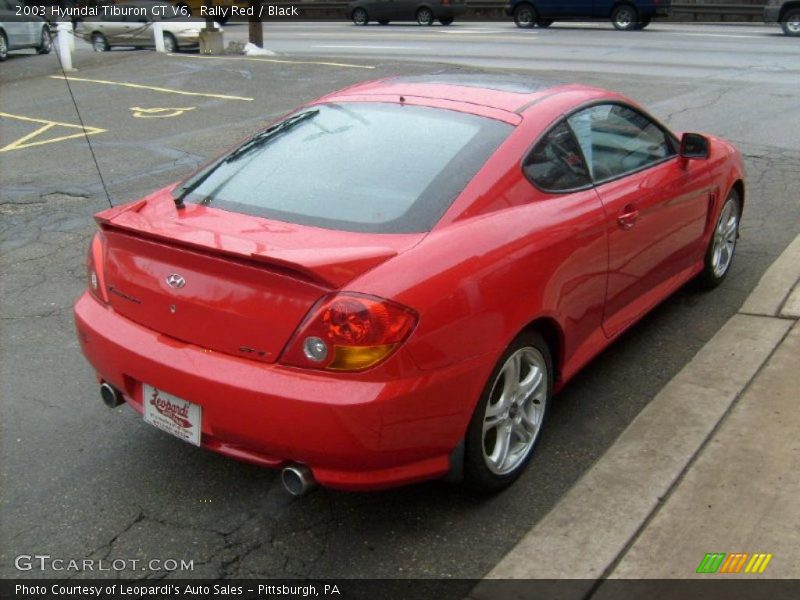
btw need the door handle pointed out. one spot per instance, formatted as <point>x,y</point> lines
<point>627,219</point>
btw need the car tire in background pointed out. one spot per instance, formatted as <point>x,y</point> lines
<point>446,21</point>
<point>99,42</point>
<point>791,22</point>
<point>3,46</point>
<point>360,16</point>
<point>170,43</point>
<point>515,399</point>
<point>722,245</point>
<point>625,17</point>
<point>525,16</point>
<point>46,43</point>
<point>425,16</point>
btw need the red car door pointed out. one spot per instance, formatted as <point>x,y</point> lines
<point>656,207</point>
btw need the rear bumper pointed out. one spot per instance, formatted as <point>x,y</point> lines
<point>354,433</point>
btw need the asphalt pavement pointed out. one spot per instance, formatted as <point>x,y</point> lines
<point>88,482</point>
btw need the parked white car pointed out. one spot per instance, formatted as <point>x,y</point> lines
<point>127,29</point>
<point>19,32</point>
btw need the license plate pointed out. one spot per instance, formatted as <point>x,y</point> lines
<point>174,415</point>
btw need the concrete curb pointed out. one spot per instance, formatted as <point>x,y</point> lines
<point>604,513</point>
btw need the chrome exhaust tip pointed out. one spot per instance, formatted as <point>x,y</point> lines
<point>298,480</point>
<point>110,395</point>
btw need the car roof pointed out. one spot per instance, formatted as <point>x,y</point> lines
<point>506,92</point>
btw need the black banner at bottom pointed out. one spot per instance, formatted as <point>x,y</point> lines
<point>710,588</point>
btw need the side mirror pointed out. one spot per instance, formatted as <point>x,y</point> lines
<point>694,145</point>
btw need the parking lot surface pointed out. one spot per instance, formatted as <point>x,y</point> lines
<point>83,481</point>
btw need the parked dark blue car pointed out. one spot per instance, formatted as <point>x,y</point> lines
<point>625,15</point>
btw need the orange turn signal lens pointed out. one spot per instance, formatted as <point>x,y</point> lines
<point>355,358</point>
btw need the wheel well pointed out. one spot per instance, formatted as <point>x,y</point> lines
<point>738,185</point>
<point>624,3</point>
<point>521,4</point>
<point>787,6</point>
<point>550,330</point>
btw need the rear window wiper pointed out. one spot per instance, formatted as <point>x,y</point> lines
<point>255,142</point>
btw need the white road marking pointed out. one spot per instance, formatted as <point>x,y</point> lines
<point>364,47</point>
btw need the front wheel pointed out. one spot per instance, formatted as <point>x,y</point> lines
<point>425,16</point>
<point>722,245</point>
<point>525,16</point>
<point>791,22</point>
<point>507,421</point>
<point>360,16</point>
<point>624,17</point>
<point>46,42</point>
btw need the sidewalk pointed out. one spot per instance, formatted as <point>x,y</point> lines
<point>711,465</point>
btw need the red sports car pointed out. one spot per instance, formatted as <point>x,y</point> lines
<point>389,284</point>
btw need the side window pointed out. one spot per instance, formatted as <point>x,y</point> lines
<point>555,164</point>
<point>616,139</point>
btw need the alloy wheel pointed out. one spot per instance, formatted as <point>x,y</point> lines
<point>515,410</point>
<point>725,238</point>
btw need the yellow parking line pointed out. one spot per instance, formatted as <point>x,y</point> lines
<point>139,86</point>
<point>22,142</point>
<point>277,60</point>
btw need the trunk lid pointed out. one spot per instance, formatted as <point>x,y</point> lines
<point>228,282</point>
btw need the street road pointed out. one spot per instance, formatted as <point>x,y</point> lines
<point>710,52</point>
<point>81,481</point>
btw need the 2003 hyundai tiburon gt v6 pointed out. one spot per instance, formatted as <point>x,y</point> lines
<point>389,284</point>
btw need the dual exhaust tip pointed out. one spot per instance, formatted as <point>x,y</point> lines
<point>110,395</point>
<point>297,479</point>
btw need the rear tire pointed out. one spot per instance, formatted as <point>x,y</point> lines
<point>383,21</point>
<point>99,42</point>
<point>3,46</point>
<point>360,17</point>
<point>722,245</point>
<point>525,16</point>
<point>544,23</point>
<point>425,16</point>
<point>625,17</point>
<point>46,42</point>
<point>508,419</point>
<point>446,21</point>
<point>643,23</point>
<point>791,22</point>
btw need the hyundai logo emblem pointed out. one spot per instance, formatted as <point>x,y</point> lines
<point>175,281</point>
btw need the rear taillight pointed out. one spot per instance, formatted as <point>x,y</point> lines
<point>94,267</point>
<point>349,332</point>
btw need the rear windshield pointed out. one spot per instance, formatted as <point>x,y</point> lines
<point>371,167</point>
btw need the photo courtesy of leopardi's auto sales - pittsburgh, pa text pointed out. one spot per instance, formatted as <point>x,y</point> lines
<point>176,590</point>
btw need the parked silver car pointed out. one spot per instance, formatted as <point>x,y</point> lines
<point>129,30</point>
<point>18,32</point>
